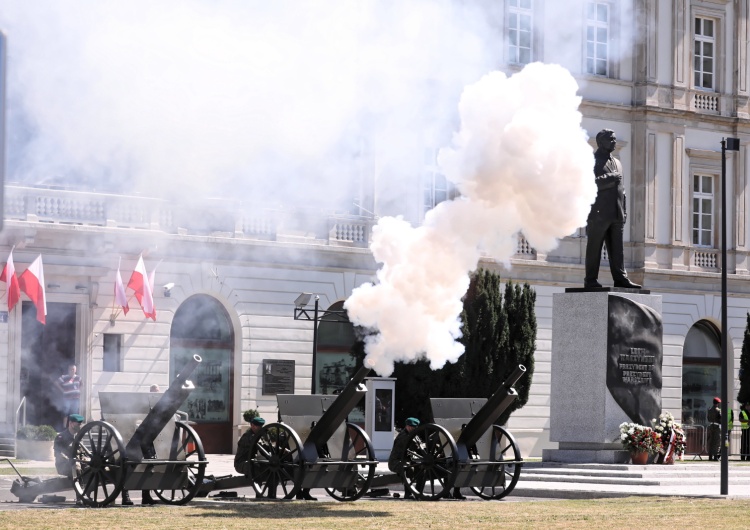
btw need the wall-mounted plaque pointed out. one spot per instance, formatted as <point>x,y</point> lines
<point>278,377</point>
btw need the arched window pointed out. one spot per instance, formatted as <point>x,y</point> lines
<point>701,371</point>
<point>202,326</point>
<point>334,363</point>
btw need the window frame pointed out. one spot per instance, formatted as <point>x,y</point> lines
<point>714,59</point>
<point>431,170</point>
<point>532,12</point>
<point>717,14</point>
<point>117,361</point>
<point>613,39</point>
<point>702,195</point>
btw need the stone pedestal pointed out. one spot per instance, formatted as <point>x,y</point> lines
<point>606,370</point>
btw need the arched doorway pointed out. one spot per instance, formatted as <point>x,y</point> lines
<point>202,326</point>
<point>701,371</point>
<point>334,363</point>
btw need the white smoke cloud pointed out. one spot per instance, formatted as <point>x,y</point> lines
<point>243,98</point>
<point>522,163</point>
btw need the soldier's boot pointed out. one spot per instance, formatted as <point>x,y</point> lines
<point>126,498</point>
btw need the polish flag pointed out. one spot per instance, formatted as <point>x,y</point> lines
<point>9,277</point>
<point>120,296</point>
<point>151,276</point>
<point>140,283</point>
<point>32,283</point>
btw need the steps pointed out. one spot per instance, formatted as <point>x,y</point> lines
<point>550,479</point>
<point>7,446</point>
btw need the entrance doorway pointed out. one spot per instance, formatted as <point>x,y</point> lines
<point>46,352</point>
<point>201,326</point>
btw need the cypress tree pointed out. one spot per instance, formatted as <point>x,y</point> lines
<point>519,348</point>
<point>743,396</point>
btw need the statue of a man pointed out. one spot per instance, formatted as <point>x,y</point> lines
<point>606,221</point>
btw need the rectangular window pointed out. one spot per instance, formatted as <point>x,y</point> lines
<point>436,187</point>
<point>597,38</point>
<point>704,54</point>
<point>520,24</point>
<point>112,352</point>
<point>703,210</point>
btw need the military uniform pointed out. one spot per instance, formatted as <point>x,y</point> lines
<point>63,448</point>
<point>714,431</point>
<point>241,465</point>
<point>396,458</point>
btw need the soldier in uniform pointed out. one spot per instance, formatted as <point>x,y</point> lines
<point>241,463</point>
<point>396,458</point>
<point>714,430</point>
<point>63,448</point>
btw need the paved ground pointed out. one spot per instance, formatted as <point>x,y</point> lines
<point>695,479</point>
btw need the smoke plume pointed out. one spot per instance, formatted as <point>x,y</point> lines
<point>268,102</point>
<point>522,164</point>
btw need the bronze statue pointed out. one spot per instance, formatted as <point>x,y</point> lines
<point>606,221</point>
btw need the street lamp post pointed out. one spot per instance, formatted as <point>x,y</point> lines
<point>302,313</point>
<point>727,144</point>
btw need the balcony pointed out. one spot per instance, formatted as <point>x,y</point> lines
<point>213,217</point>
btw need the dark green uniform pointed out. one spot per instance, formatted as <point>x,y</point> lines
<point>63,447</point>
<point>396,459</point>
<point>243,452</point>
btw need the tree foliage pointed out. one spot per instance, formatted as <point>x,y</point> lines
<point>743,396</point>
<point>499,333</point>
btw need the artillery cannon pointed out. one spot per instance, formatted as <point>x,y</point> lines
<point>463,448</point>
<point>336,455</point>
<point>105,465</point>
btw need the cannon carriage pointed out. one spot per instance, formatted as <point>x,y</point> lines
<point>464,448</point>
<point>314,446</point>
<point>162,454</point>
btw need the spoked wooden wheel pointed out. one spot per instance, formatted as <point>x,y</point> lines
<point>430,462</point>
<point>357,446</point>
<point>276,462</point>
<point>98,469</point>
<point>187,446</point>
<point>503,477</point>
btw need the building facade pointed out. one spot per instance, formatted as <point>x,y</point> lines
<point>670,77</point>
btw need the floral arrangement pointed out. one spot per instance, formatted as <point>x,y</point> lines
<point>639,439</point>
<point>671,436</point>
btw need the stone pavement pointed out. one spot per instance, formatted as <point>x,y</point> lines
<point>538,481</point>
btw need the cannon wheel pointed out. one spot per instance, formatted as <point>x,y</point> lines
<point>357,446</point>
<point>430,462</point>
<point>276,461</point>
<point>98,463</point>
<point>187,446</point>
<point>504,447</point>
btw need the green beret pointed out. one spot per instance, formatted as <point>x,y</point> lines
<point>258,421</point>
<point>412,422</point>
<point>76,418</point>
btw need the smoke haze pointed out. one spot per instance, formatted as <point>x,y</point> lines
<point>522,163</point>
<point>265,101</point>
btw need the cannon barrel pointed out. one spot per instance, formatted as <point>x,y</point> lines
<point>338,411</point>
<point>491,411</point>
<point>141,445</point>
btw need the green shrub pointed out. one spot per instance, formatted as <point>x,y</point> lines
<point>36,432</point>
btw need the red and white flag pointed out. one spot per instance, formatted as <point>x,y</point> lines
<point>9,277</point>
<point>32,283</point>
<point>120,296</point>
<point>140,283</point>
<point>151,276</point>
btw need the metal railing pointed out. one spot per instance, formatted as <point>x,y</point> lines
<point>697,442</point>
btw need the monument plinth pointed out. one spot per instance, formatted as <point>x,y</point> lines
<point>606,370</point>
